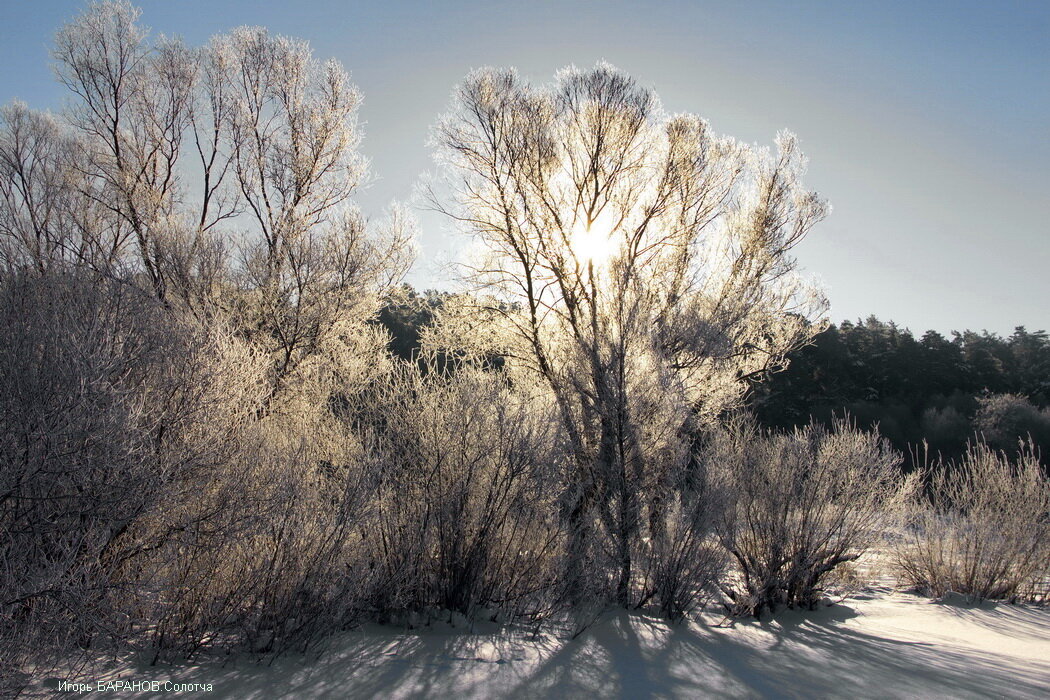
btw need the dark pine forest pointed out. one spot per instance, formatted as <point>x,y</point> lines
<point>929,395</point>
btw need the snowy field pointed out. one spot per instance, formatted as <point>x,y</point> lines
<point>876,645</point>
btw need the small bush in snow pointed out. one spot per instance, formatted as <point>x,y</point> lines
<point>798,505</point>
<point>683,561</point>
<point>981,529</point>
<point>464,515</point>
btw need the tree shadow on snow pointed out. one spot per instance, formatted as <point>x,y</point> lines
<point>797,654</point>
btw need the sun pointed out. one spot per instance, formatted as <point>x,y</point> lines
<point>593,244</point>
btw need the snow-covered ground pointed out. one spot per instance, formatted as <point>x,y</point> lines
<point>879,644</point>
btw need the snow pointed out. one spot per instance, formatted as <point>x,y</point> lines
<point>880,644</point>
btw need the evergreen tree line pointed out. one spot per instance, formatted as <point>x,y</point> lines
<point>934,391</point>
<point>929,397</point>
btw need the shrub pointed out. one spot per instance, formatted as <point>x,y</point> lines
<point>111,410</point>
<point>681,560</point>
<point>981,529</point>
<point>1003,419</point>
<point>798,505</point>
<point>465,515</point>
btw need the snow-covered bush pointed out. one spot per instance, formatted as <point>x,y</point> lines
<point>681,561</point>
<point>172,358</point>
<point>981,529</point>
<point>798,505</point>
<point>1003,419</point>
<point>275,559</point>
<point>465,513</point>
<point>113,412</point>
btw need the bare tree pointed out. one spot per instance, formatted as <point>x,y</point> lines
<point>185,147</point>
<point>293,137</point>
<point>640,266</point>
<point>132,108</point>
<point>45,221</point>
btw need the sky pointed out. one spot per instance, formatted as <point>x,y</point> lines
<point>927,124</point>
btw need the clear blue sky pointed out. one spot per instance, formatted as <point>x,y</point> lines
<point>927,124</point>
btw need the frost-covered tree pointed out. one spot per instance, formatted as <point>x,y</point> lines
<point>185,284</point>
<point>45,221</point>
<point>1004,419</point>
<point>220,176</point>
<point>638,263</point>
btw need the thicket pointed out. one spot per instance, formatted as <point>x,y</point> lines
<point>928,396</point>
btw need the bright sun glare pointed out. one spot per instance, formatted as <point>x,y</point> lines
<point>593,244</point>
